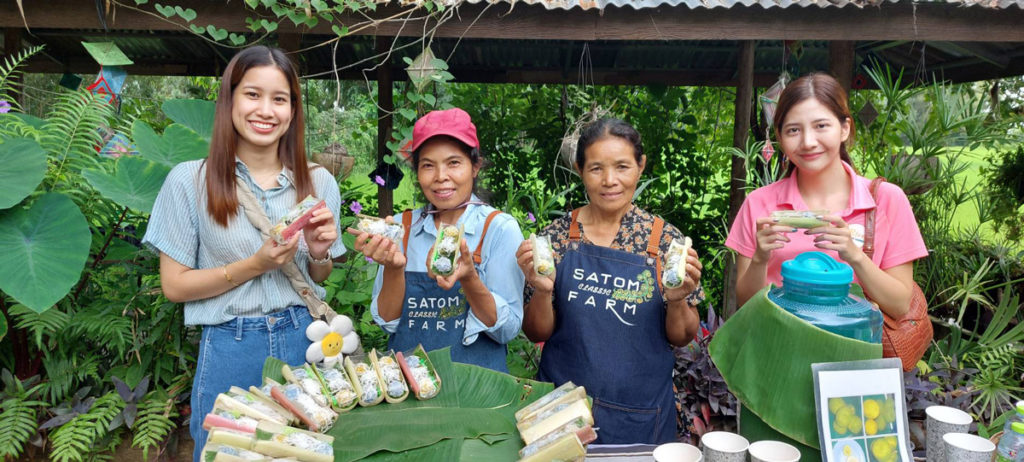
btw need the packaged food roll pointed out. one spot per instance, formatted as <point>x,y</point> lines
<point>260,407</point>
<point>674,272</point>
<point>395,389</point>
<point>221,417</point>
<point>567,448</point>
<point>304,377</point>
<point>584,431</point>
<point>535,406</point>
<point>339,385</point>
<point>296,219</point>
<point>314,416</point>
<point>800,218</point>
<point>559,415</point>
<point>365,380</point>
<point>447,250</point>
<point>420,373</point>
<point>575,394</point>
<point>219,452</point>
<point>281,441</point>
<point>543,255</point>
<point>380,227</point>
<point>243,440</point>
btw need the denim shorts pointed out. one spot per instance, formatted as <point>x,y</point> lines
<point>233,353</point>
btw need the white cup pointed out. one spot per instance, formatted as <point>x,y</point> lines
<point>677,452</point>
<point>724,447</point>
<point>963,447</point>
<point>940,420</point>
<point>773,451</point>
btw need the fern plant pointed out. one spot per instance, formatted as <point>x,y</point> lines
<point>78,438</point>
<point>71,134</point>
<point>155,421</point>
<point>9,72</point>
<point>19,419</point>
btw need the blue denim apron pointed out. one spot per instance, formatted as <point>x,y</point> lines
<point>610,338</point>
<point>436,318</point>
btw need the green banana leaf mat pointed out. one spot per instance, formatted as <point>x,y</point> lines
<point>471,419</point>
<point>765,354</point>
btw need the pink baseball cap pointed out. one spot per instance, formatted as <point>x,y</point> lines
<point>453,122</point>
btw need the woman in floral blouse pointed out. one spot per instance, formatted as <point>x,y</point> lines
<point>607,322</point>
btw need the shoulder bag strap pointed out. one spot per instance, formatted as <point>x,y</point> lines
<point>869,220</point>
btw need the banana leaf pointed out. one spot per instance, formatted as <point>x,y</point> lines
<point>472,418</point>
<point>765,354</point>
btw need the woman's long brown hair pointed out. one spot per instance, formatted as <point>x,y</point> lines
<point>826,90</point>
<point>222,203</point>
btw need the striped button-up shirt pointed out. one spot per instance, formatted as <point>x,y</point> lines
<point>181,228</point>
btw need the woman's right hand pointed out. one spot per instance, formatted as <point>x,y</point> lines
<point>524,257</point>
<point>770,236</point>
<point>379,248</point>
<point>272,256</point>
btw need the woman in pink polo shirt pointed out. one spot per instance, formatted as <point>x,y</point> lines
<point>813,124</point>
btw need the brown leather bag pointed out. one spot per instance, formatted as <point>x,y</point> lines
<point>906,338</point>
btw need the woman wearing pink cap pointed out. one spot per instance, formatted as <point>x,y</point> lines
<point>813,125</point>
<point>477,309</point>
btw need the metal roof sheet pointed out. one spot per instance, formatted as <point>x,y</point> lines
<point>709,4</point>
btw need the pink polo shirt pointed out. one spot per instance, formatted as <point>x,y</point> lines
<point>897,237</point>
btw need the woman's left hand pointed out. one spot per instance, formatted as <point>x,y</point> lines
<point>692,280</point>
<point>464,268</point>
<point>320,233</point>
<point>836,236</point>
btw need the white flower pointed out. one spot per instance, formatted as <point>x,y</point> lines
<point>331,341</point>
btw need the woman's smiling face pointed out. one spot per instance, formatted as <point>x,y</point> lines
<point>261,108</point>
<point>812,135</point>
<point>445,173</point>
<point>611,172</point>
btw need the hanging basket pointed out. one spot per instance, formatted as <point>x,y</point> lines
<point>567,152</point>
<point>336,160</point>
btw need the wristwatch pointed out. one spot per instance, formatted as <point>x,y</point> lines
<point>321,261</point>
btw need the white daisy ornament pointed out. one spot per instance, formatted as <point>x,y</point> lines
<point>331,341</point>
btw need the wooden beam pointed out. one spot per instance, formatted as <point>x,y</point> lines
<point>385,107</point>
<point>841,55</point>
<point>12,45</point>
<point>946,21</point>
<point>738,170</point>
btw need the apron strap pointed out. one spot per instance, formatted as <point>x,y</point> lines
<point>574,226</point>
<point>478,254</point>
<point>407,225</point>
<point>654,246</point>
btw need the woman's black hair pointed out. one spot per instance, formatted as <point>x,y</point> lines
<point>607,126</point>
<point>475,158</point>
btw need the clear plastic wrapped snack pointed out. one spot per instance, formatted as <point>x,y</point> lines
<point>295,219</point>
<point>800,218</point>
<point>395,389</point>
<point>339,385</point>
<point>365,380</point>
<point>446,250</point>
<point>281,441</point>
<point>380,227</point>
<point>314,416</point>
<point>674,272</point>
<point>419,373</point>
<point>543,255</point>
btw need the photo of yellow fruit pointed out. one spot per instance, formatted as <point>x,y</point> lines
<point>845,416</point>
<point>879,414</point>
<point>883,449</point>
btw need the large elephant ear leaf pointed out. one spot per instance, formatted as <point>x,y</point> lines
<point>135,184</point>
<point>196,114</point>
<point>178,144</point>
<point>22,167</point>
<point>42,250</point>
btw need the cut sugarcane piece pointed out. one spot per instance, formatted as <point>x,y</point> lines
<point>583,431</point>
<point>395,389</point>
<point>315,417</point>
<point>218,452</point>
<point>447,249</point>
<point>281,441</point>
<point>800,218</point>
<point>544,400</point>
<point>230,437</point>
<point>419,373</point>
<point>260,407</point>
<point>339,385</point>
<point>568,448</point>
<point>576,394</point>
<point>304,377</point>
<point>381,227</point>
<point>365,380</point>
<point>559,415</point>
<point>543,255</point>
<point>220,417</point>
<point>295,219</point>
<point>674,272</point>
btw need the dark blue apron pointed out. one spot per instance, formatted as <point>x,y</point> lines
<point>436,318</point>
<point>610,338</point>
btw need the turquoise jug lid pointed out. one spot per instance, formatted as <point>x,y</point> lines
<point>816,268</point>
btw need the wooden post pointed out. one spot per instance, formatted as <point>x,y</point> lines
<point>738,172</point>
<point>841,55</point>
<point>12,44</point>
<point>385,106</point>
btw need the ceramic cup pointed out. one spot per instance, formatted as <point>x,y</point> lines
<point>962,447</point>
<point>724,447</point>
<point>677,452</point>
<point>940,420</point>
<point>773,451</point>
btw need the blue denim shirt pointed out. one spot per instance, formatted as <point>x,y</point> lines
<point>181,228</point>
<point>499,270</point>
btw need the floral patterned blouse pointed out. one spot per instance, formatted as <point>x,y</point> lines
<point>632,237</point>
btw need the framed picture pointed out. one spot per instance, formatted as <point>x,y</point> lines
<point>862,415</point>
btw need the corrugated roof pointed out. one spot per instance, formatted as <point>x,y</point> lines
<point>709,4</point>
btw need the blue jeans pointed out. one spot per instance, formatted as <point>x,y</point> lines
<point>233,353</point>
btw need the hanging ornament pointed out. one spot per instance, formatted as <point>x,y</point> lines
<point>422,68</point>
<point>110,79</point>
<point>859,82</point>
<point>867,114</point>
<point>767,151</point>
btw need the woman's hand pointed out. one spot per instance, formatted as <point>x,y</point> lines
<point>836,236</point>
<point>524,257</point>
<point>272,256</point>
<point>770,236</point>
<point>691,281</point>
<point>320,233</point>
<point>464,268</point>
<point>379,248</point>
